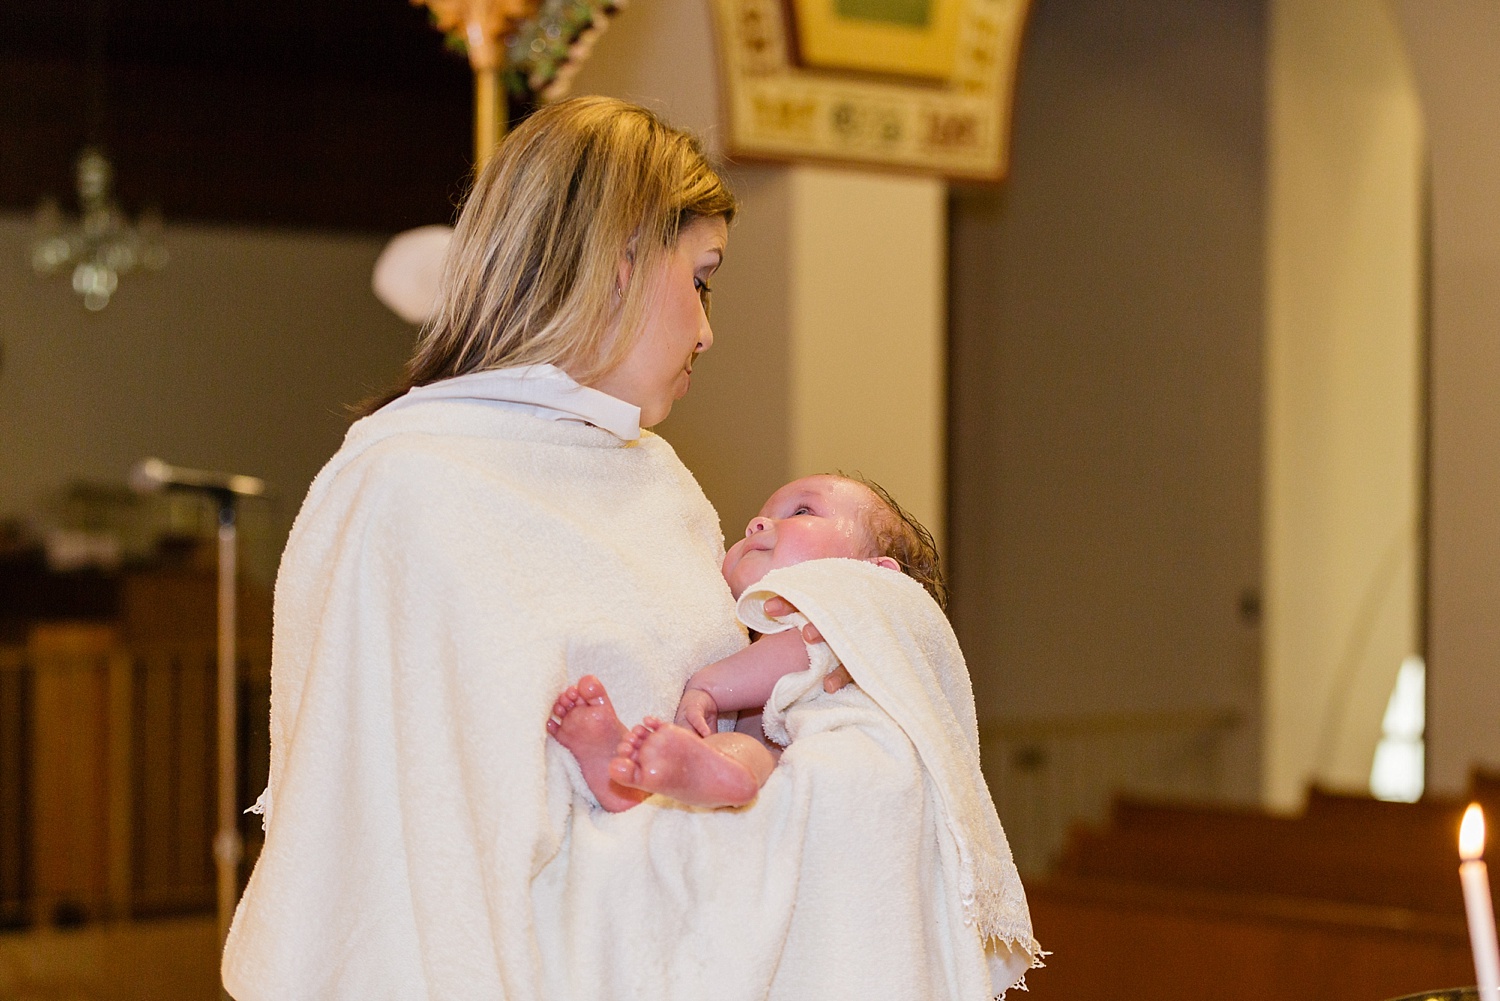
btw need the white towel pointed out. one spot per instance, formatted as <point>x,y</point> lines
<point>452,569</point>
<point>899,647</point>
<point>872,865</point>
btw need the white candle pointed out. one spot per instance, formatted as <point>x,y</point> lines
<point>1476,882</point>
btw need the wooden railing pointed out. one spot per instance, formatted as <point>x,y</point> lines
<point>1046,775</point>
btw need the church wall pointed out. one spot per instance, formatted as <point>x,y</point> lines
<point>1452,47</point>
<point>241,355</point>
<point>1106,316</point>
<point>869,318</point>
<point>1343,398</point>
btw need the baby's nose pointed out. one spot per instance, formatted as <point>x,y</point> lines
<point>757,525</point>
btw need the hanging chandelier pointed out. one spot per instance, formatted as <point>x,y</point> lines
<point>101,244</point>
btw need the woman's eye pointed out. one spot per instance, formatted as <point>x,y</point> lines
<point>703,291</point>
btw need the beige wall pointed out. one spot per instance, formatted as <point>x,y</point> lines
<point>662,55</point>
<point>1106,331</point>
<point>1343,388</point>
<point>241,355</point>
<point>1453,47</point>
<point>869,343</point>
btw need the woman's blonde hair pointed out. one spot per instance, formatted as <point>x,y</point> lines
<point>532,274</point>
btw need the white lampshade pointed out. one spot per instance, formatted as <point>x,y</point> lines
<point>408,270</point>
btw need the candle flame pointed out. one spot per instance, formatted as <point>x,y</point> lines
<point>1471,834</point>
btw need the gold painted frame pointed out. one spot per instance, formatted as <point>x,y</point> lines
<point>828,39</point>
<point>803,81</point>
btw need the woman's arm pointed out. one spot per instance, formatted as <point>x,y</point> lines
<point>742,680</point>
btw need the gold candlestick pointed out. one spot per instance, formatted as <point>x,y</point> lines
<point>484,24</point>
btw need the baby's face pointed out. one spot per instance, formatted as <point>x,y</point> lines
<point>808,519</point>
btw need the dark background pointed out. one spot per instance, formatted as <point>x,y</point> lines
<point>344,114</point>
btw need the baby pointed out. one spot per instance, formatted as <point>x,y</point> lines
<point>689,761</point>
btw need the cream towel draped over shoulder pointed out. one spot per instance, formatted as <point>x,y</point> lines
<point>453,567</point>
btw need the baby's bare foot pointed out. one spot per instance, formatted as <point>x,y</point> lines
<point>672,760</point>
<point>583,720</point>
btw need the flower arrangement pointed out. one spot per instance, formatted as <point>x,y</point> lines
<point>537,45</point>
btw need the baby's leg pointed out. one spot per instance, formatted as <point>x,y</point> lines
<point>583,720</point>
<point>723,769</point>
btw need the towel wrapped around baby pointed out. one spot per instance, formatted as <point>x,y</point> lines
<point>873,865</point>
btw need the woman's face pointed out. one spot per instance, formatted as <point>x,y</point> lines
<point>658,369</point>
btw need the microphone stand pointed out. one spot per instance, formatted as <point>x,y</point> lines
<point>228,845</point>
<point>151,475</point>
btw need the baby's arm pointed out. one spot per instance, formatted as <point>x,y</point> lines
<point>743,680</point>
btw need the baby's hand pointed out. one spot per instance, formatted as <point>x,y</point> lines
<point>698,711</point>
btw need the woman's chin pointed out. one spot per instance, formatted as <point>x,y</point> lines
<point>654,411</point>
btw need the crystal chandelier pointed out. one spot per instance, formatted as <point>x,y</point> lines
<point>102,244</point>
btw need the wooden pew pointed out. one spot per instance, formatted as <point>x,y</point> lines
<point>1354,899</point>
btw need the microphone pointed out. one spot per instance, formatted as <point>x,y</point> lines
<point>153,475</point>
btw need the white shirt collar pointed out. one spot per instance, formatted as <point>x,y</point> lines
<point>545,390</point>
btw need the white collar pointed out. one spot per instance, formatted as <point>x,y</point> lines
<point>545,387</point>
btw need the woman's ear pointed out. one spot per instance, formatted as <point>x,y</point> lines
<point>626,266</point>
<point>888,562</point>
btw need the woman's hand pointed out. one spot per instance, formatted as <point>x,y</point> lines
<point>698,711</point>
<point>836,679</point>
<point>778,607</point>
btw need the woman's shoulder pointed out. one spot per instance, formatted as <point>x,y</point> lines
<point>494,453</point>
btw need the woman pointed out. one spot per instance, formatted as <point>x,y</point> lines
<point>497,531</point>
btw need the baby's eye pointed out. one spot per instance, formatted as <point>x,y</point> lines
<point>804,509</point>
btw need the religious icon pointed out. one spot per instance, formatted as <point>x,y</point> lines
<point>922,85</point>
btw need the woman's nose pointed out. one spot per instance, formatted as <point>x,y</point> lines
<point>705,337</point>
<point>757,525</point>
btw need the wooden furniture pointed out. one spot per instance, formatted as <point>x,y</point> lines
<point>107,754</point>
<point>76,676</point>
<point>1355,899</point>
<point>15,788</point>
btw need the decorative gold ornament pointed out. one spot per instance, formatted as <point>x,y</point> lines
<point>918,85</point>
<point>482,25</point>
<point>525,49</point>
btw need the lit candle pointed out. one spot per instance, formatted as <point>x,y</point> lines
<point>1476,882</point>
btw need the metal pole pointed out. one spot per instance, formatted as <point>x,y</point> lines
<point>227,843</point>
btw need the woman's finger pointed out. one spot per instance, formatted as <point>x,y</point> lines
<point>778,606</point>
<point>836,679</point>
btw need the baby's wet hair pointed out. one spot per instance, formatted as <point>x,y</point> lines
<point>906,540</point>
